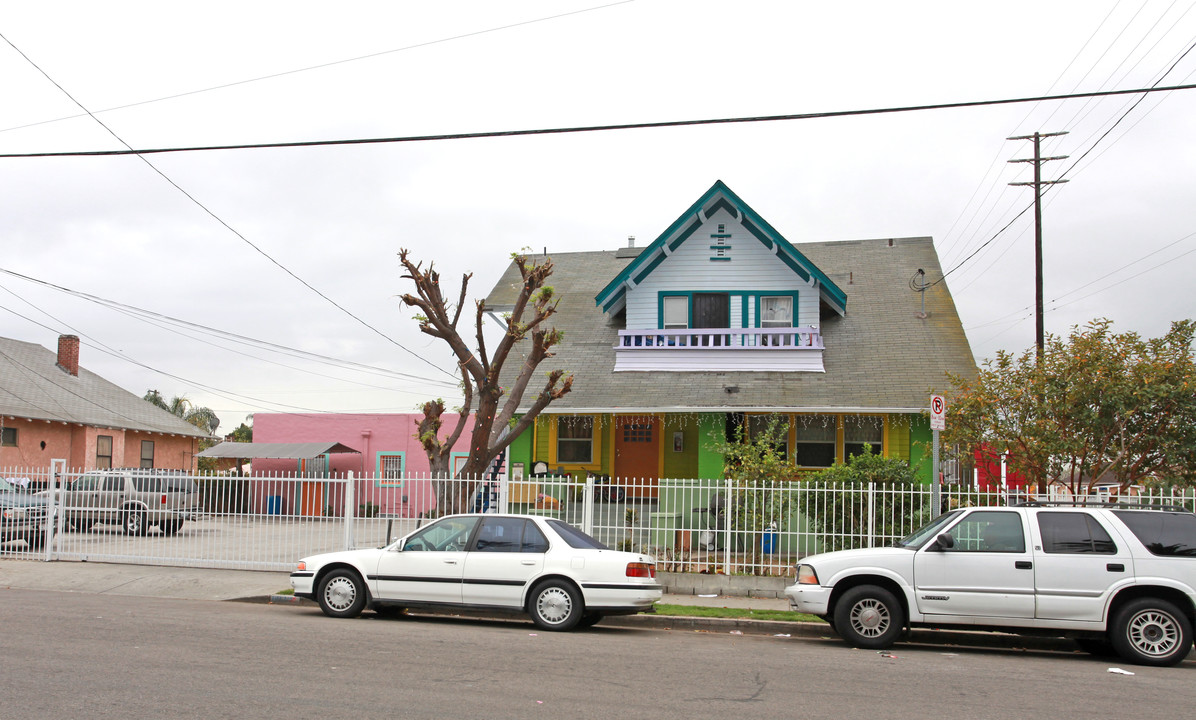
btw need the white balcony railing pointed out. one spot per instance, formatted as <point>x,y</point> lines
<point>797,338</point>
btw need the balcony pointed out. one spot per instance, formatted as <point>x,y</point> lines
<point>720,349</point>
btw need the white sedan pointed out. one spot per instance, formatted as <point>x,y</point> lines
<point>544,567</point>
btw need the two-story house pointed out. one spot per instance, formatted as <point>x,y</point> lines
<point>722,321</point>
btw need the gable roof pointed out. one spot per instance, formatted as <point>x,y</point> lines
<point>33,386</point>
<point>879,357</point>
<point>613,296</point>
<point>286,451</point>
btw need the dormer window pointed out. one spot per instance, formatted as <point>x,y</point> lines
<point>675,312</point>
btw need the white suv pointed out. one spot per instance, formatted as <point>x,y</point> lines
<point>1117,578</point>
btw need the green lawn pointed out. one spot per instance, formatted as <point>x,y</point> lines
<point>737,613</point>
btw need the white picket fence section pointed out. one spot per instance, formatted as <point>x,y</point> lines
<point>708,526</point>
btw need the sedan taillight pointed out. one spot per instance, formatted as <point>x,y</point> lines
<point>638,569</point>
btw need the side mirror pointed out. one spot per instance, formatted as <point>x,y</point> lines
<point>944,542</point>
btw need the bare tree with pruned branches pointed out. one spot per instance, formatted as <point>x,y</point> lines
<point>495,425</point>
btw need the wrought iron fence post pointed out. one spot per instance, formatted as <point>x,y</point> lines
<point>587,507</point>
<point>55,518</point>
<point>871,515</point>
<point>350,486</point>
<point>728,538</point>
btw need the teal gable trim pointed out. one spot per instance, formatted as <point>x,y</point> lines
<point>651,266</point>
<point>718,197</point>
<point>693,228</point>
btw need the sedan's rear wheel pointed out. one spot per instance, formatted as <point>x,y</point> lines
<point>341,594</point>
<point>555,605</point>
<point>1148,631</point>
<point>869,616</point>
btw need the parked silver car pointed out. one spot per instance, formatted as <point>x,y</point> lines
<point>22,516</point>
<point>133,498</point>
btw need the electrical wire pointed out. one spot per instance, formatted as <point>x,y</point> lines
<point>594,128</point>
<point>222,222</point>
<point>320,66</point>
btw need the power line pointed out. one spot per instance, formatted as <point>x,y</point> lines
<point>594,128</point>
<point>220,220</point>
<point>224,334</point>
<point>320,66</point>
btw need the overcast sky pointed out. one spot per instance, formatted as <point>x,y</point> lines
<point>1120,237</point>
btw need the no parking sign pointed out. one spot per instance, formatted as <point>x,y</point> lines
<point>938,412</point>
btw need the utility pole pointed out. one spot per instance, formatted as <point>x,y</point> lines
<point>1038,160</point>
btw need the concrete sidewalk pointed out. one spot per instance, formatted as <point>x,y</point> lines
<point>264,587</point>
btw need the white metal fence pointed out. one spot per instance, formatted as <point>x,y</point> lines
<point>267,523</point>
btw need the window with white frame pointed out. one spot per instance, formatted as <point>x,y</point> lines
<point>814,440</point>
<point>776,311</point>
<point>676,312</point>
<point>574,439</point>
<point>860,432</point>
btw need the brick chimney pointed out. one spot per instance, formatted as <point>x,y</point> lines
<point>68,353</point>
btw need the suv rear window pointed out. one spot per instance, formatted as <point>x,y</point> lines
<point>1163,533</point>
<point>1074,532</point>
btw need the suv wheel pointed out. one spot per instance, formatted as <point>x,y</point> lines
<point>1148,631</point>
<point>868,616</point>
<point>170,527</point>
<point>134,523</point>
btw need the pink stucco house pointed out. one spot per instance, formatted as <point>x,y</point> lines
<point>390,463</point>
<point>53,408</point>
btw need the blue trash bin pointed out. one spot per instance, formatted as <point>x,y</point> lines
<point>274,505</point>
<point>768,542</point>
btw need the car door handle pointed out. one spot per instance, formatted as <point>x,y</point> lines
<point>527,562</point>
<point>1115,567</point>
<point>450,561</point>
<point>1023,565</point>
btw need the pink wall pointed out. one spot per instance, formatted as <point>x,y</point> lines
<point>77,445</point>
<point>369,434</point>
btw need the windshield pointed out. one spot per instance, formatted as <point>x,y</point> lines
<point>927,532</point>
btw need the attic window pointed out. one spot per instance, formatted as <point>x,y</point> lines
<point>720,245</point>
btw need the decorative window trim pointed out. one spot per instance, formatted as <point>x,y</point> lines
<point>593,440</point>
<point>380,478</point>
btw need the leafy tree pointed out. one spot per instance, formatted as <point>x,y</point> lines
<point>495,423</point>
<point>1097,405</point>
<point>760,473</point>
<point>201,417</point>
<point>868,496</point>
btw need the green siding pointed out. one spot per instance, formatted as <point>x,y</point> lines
<point>710,463</point>
<point>921,448</point>
<point>521,451</point>
<point>682,464</point>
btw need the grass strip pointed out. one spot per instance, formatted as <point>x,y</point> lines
<point>735,613</point>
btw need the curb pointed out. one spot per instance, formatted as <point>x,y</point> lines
<point>736,626</point>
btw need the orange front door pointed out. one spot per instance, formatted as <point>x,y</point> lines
<point>637,454</point>
<point>312,498</point>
